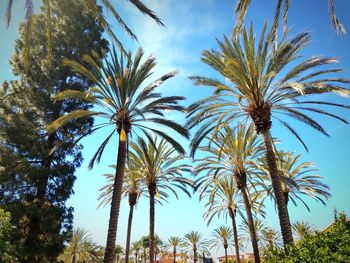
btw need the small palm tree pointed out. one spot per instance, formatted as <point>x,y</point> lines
<point>223,197</point>
<point>223,236</point>
<point>234,152</point>
<point>302,229</point>
<point>260,86</point>
<point>161,171</point>
<point>80,248</point>
<point>136,248</point>
<point>297,181</point>
<point>132,187</point>
<point>173,243</point>
<point>128,107</point>
<point>119,250</point>
<point>194,241</point>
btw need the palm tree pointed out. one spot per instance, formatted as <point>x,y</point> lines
<point>302,229</point>
<point>233,152</point>
<point>132,187</point>
<point>223,236</point>
<point>161,171</point>
<point>92,7</point>
<point>223,198</point>
<point>243,5</point>
<point>194,241</point>
<point>297,181</point>
<point>128,106</point>
<point>145,244</point>
<point>259,86</point>
<point>173,243</point>
<point>136,247</point>
<point>80,248</point>
<point>119,250</point>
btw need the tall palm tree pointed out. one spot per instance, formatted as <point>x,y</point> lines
<point>297,181</point>
<point>242,6</point>
<point>223,197</point>
<point>302,229</point>
<point>80,248</point>
<point>260,85</point>
<point>194,241</point>
<point>234,152</point>
<point>128,107</point>
<point>136,247</point>
<point>161,171</point>
<point>91,6</point>
<point>132,187</point>
<point>173,243</point>
<point>223,236</point>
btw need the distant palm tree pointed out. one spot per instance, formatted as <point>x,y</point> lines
<point>80,249</point>
<point>223,197</point>
<point>91,6</point>
<point>119,250</point>
<point>302,229</point>
<point>235,152</point>
<point>297,181</point>
<point>132,187</point>
<point>223,236</point>
<point>145,244</point>
<point>136,247</point>
<point>242,8</point>
<point>259,86</point>
<point>173,243</point>
<point>161,171</point>
<point>126,105</point>
<point>194,241</point>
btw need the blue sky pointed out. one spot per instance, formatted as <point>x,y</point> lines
<point>191,27</point>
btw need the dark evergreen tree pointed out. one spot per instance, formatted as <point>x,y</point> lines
<point>37,169</point>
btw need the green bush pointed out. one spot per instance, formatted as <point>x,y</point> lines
<point>330,245</point>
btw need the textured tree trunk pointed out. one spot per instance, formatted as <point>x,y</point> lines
<point>35,222</point>
<point>251,224</point>
<point>226,259</point>
<point>174,253</point>
<point>283,215</point>
<point>235,235</point>
<point>109,256</point>
<point>152,192</point>
<point>194,255</point>
<point>132,202</point>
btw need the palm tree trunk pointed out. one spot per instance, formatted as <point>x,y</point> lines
<point>136,259</point>
<point>251,224</point>
<point>283,215</point>
<point>152,192</point>
<point>144,255</point>
<point>128,235</point>
<point>226,259</point>
<point>109,256</point>
<point>174,253</point>
<point>194,255</point>
<point>235,235</point>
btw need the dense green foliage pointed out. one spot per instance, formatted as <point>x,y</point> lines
<point>331,245</point>
<point>37,169</point>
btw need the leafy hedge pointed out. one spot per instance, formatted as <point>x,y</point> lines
<point>331,245</point>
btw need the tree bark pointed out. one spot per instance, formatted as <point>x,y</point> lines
<point>235,235</point>
<point>283,215</point>
<point>35,222</point>
<point>226,259</point>
<point>109,256</point>
<point>251,224</point>
<point>132,202</point>
<point>195,255</point>
<point>174,253</point>
<point>152,192</point>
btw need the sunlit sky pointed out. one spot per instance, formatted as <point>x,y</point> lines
<point>191,27</point>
